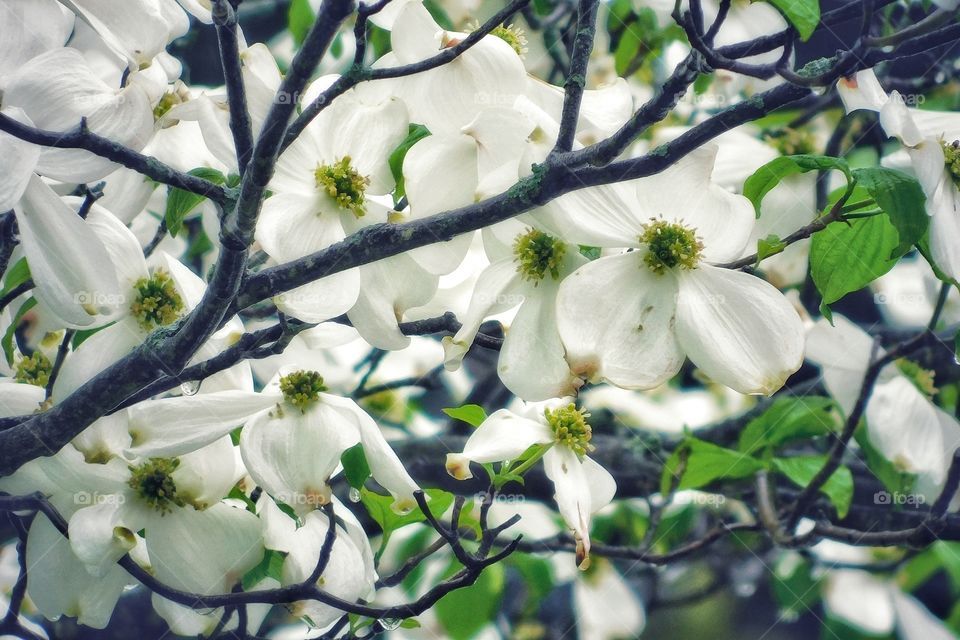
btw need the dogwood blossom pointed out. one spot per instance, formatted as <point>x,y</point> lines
<point>630,318</point>
<point>582,486</point>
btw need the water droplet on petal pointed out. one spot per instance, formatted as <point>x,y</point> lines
<point>354,496</point>
<point>190,388</point>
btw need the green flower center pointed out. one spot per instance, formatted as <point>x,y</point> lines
<point>153,481</point>
<point>157,301</point>
<point>792,142</point>
<point>670,245</point>
<point>536,254</point>
<point>167,102</point>
<point>570,428</point>
<point>34,370</point>
<point>922,379</point>
<point>951,158</point>
<point>513,36</point>
<point>302,388</point>
<point>341,182</point>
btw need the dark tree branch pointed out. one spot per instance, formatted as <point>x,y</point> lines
<point>225,19</point>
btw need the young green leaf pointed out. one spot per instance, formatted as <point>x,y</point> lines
<point>901,198</point>
<point>804,15</point>
<point>802,469</point>
<point>847,256</point>
<point>464,612</point>
<point>472,414</point>
<point>416,133</point>
<point>769,175</point>
<point>271,566</point>
<point>706,462</point>
<point>180,203</point>
<point>786,420</point>
<point>355,466</point>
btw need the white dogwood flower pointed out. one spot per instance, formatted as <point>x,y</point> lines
<point>630,318</point>
<point>932,141</point>
<point>903,424</point>
<point>582,486</point>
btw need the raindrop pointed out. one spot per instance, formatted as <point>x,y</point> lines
<point>354,494</point>
<point>190,388</point>
<point>389,624</point>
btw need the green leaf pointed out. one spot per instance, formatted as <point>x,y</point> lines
<point>271,566</point>
<point>237,494</point>
<point>769,175</point>
<point>472,414</point>
<point>804,15</point>
<point>901,198</point>
<point>802,469</point>
<point>355,466</point>
<point>769,246</point>
<point>415,133</point>
<point>16,276</point>
<point>381,510</point>
<point>627,50</point>
<point>7,340</point>
<point>464,612</point>
<point>180,203</point>
<point>846,257</point>
<point>300,18</point>
<point>706,463</point>
<point>788,419</point>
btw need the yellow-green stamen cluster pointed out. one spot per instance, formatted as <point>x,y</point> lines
<point>341,182</point>
<point>167,102</point>
<point>670,245</point>
<point>570,428</point>
<point>34,370</point>
<point>153,481</point>
<point>922,379</point>
<point>951,158</point>
<point>537,254</point>
<point>157,301</point>
<point>792,142</point>
<point>513,36</point>
<point>302,388</point>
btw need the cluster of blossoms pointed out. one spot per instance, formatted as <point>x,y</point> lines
<point>617,285</point>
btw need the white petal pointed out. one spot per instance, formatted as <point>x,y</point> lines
<point>20,399</point>
<point>343,576</point>
<point>100,535</point>
<point>205,476</point>
<point>56,89</point>
<point>17,160</point>
<point>390,287</point>
<point>59,583</point>
<point>204,552</point>
<point>843,352</point>
<point>502,436</point>
<point>532,363</point>
<point>173,426</point>
<point>738,329</point>
<point>896,121</point>
<point>322,299</point>
<point>862,91</point>
<point>616,319</point>
<point>97,353</point>
<point>582,487</point>
<point>29,28</point>
<point>496,290</point>
<point>915,622</point>
<point>871,609</point>
<point>385,466</point>
<point>605,216</point>
<point>69,264</point>
<point>292,455</point>
<point>440,173</point>
<point>905,428</point>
